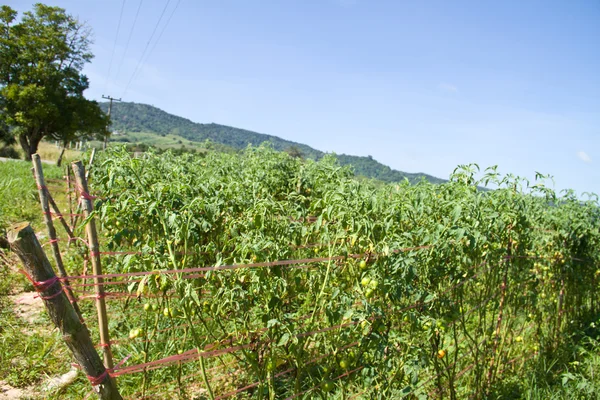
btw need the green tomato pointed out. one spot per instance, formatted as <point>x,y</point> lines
<point>167,312</point>
<point>133,334</point>
<point>165,285</point>
<point>369,293</point>
<point>328,386</point>
<point>344,364</point>
<point>147,307</point>
<point>365,281</point>
<point>352,356</point>
<point>362,264</point>
<point>373,284</point>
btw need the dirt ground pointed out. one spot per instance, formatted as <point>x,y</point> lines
<point>9,392</point>
<point>29,307</point>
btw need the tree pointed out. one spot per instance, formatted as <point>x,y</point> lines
<point>41,84</point>
<point>294,152</point>
<point>88,122</point>
<point>6,138</point>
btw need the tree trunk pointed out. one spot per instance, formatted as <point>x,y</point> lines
<point>29,142</point>
<point>25,146</point>
<point>60,156</point>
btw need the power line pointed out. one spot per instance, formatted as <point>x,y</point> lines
<point>112,56</point>
<point>163,30</point>
<point>129,38</point>
<point>146,47</point>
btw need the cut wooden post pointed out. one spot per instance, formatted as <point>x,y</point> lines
<point>43,192</point>
<point>24,243</point>
<point>92,235</point>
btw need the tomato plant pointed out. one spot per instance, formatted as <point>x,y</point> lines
<point>415,278</point>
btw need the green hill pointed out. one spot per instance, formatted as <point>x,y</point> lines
<point>141,123</point>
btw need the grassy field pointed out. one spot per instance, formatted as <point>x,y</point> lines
<point>49,152</point>
<point>30,350</point>
<point>152,139</point>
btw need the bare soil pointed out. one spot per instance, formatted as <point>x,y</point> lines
<point>28,306</point>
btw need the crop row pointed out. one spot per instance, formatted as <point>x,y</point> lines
<point>398,290</point>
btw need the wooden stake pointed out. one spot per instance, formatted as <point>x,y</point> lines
<point>87,175</point>
<point>92,235</point>
<point>69,199</point>
<point>24,243</point>
<point>60,216</point>
<point>90,163</point>
<point>43,192</point>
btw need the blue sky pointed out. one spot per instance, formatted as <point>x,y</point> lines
<point>421,86</point>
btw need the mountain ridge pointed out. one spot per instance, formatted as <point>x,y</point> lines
<point>137,117</point>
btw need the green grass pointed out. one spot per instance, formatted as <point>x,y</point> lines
<point>152,139</point>
<point>29,351</point>
<point>18,194</point>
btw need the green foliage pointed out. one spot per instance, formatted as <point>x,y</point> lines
<point>458,292</point>
<point>133,117</point>
<point>144,118</point>
<point>370,168</point>
<point>41,85</point>
<point>19,199</point>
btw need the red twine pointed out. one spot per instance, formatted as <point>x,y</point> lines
<point>97,380</point>
<point>85,195</point>
<point>42,286</point>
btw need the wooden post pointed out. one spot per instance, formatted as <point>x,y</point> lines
<point>108,114</point>
<point>87,175</point>
<point>43,192</point>
<point>89,168</point>
<point>24,243</point>
<point>61,218</point>
<point>92,235</point>
<point>69,199</point>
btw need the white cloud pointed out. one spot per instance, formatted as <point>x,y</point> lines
<point>448,87</point>
<point>583,156</point>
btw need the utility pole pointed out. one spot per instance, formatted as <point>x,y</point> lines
<point>109,110</point>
